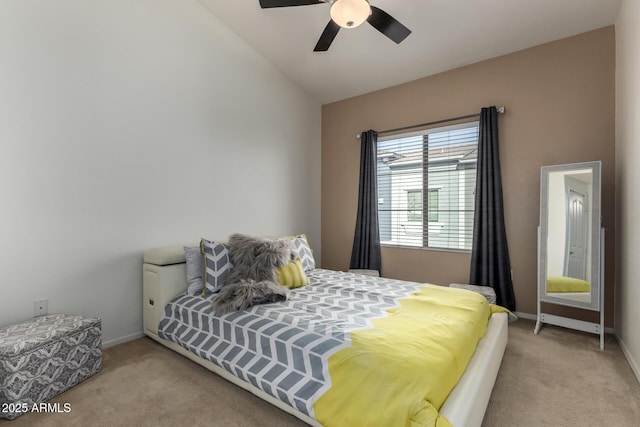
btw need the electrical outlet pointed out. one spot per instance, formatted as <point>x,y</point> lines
<point>40,307</point>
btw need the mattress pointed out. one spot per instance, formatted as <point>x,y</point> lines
<point>285,349</point>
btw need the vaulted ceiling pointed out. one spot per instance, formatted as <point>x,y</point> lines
<point>446,34</point>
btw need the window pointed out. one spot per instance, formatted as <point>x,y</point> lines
<point>414,205</point>
<point>426,186</point>
<point>433,205</point>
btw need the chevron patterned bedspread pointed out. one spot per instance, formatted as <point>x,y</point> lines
<point>285,348</point>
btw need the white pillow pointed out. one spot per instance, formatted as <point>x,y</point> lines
<point>195,270</point>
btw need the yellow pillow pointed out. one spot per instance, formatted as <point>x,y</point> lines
<point>292,275</point>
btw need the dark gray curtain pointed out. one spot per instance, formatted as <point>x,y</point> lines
<point>490,265</point>
<point>366,241</point>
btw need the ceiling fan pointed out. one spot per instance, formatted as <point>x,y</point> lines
<point>348,14</point>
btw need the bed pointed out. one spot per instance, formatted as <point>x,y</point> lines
<point>172,318</point>
<point>564,284</point>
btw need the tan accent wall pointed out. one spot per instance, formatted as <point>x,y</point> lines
<point>560,101</point>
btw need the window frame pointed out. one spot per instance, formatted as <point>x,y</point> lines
<point>431,191</point>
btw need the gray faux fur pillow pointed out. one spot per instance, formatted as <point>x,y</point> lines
<point>247,293</point>
<point>256,258</point>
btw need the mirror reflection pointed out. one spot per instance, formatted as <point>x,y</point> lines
<point>569,250</point>
<point>571,245</point>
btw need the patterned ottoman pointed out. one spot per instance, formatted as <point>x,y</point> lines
<point>485,291</point>
<point>45,356</point>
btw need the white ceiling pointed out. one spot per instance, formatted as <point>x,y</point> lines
<point>446,34</point>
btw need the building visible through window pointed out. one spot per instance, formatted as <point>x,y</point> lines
<point>426,185</point>
<point>414,205</point>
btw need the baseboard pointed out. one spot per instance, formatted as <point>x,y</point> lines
<point>123,339</point>
<point>535,317</point>
<point>634,366</point>
<point>525,315</point>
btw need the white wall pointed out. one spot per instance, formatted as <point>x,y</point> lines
<point>627,179</point>
<point>128,125</point>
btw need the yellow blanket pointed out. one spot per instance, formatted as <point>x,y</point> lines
<point>400,371</point>
<point>567,284</point>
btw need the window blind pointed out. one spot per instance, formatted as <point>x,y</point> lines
<point>426,185</point>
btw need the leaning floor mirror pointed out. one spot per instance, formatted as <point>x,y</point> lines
<point>570,244</point>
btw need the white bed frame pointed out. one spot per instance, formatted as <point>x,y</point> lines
<point>164,277</point>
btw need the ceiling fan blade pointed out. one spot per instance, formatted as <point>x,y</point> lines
<point>267,4</point>
<point>329,33</point>
<point>388,25</point>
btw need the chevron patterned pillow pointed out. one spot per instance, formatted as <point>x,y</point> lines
<point>304,252</point>
<point>217,265</point>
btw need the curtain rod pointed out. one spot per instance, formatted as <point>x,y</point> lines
<point>501,110</point>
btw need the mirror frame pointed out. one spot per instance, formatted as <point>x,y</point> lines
<point>594,262</point>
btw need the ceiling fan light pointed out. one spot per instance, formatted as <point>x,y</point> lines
<point>350,13</point>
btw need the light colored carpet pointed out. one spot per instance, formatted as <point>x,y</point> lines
<point>557,378</point>
<point>561,378</point>
<point>144,384</point>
